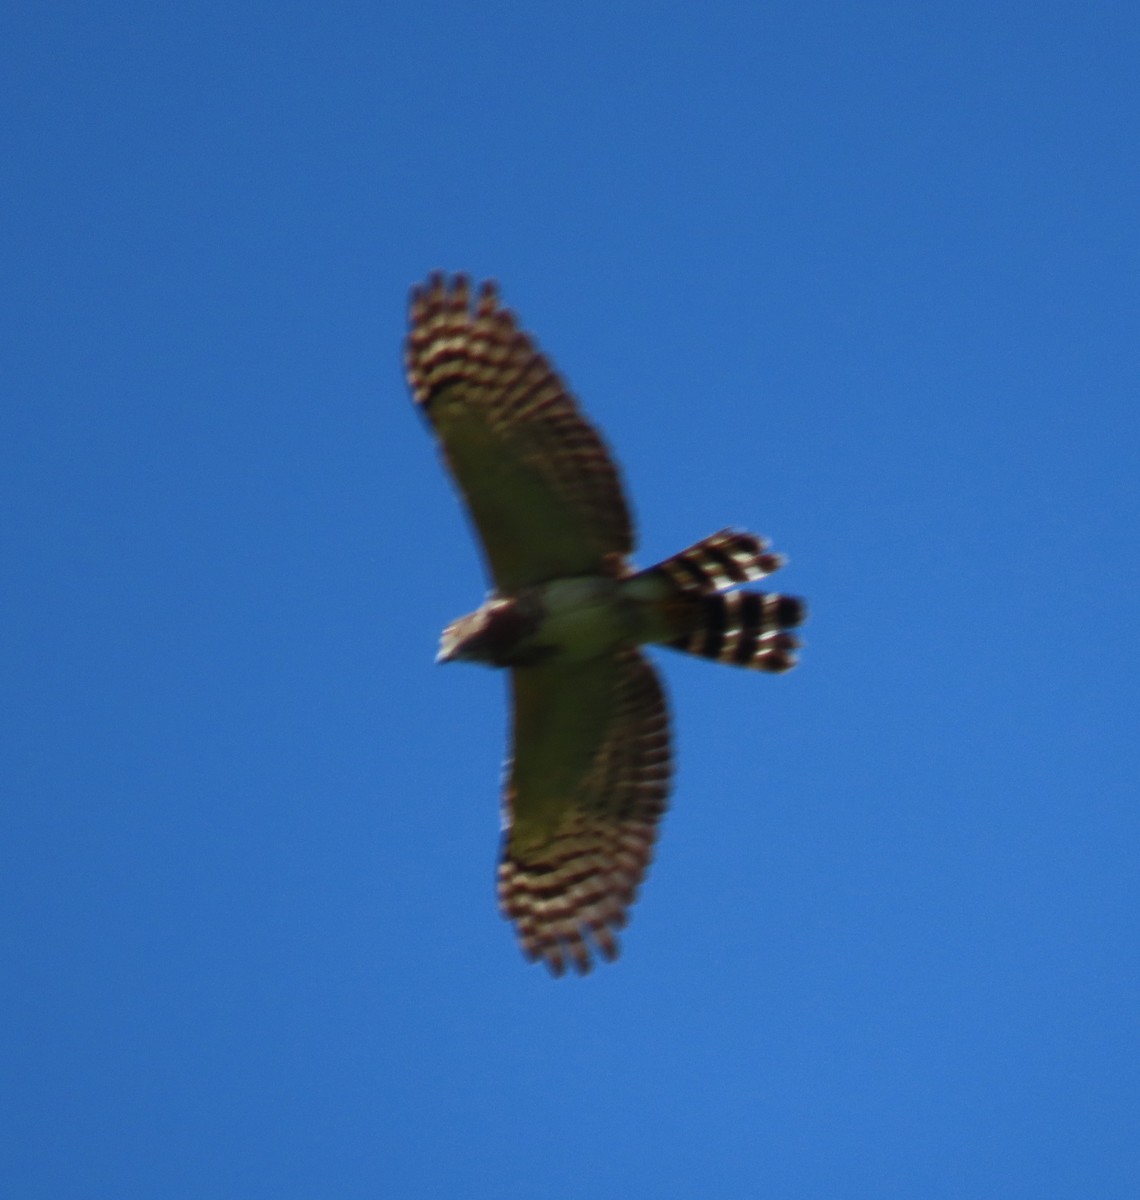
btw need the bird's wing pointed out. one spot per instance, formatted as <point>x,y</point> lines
<point>541,487</point>
<point>586,788</point>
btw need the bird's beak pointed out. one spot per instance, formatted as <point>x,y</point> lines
<point>448,651</point>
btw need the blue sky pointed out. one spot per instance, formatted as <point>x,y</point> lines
<point>863,278</point>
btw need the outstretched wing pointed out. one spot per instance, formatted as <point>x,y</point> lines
<point>541,487</point>
<point>586,789</point>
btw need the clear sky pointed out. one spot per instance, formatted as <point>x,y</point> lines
<point>861,277</point>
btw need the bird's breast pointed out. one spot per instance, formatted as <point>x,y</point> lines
<point>582,617</point>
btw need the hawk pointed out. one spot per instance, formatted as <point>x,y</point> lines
<point>590,764</point>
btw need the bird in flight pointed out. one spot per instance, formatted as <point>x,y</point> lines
<point>589,770</point>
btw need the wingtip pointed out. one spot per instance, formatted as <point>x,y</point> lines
<point>453,290</point>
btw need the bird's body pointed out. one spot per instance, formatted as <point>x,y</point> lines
<point>569,619</point>
<point>591,764</point>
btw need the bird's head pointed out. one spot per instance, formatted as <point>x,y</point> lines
<point>460,640</point>
<point>472,638</point>
<point>490,634</point>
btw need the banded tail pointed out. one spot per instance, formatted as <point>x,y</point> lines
<point>743,629</point>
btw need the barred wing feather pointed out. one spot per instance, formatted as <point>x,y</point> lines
<point>541,487</point>
<point>586,790</point>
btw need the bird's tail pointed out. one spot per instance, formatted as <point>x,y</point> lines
<point>700,615</point>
